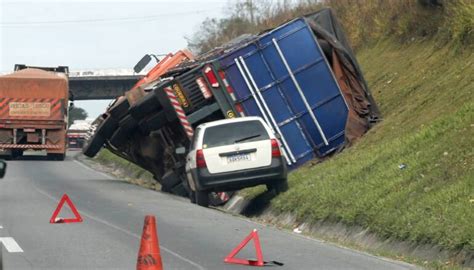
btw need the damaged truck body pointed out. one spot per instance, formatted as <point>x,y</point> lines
<point>301,78</point>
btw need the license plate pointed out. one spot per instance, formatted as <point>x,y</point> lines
<point>238,158</point>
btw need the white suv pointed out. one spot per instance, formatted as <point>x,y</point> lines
<point>232,154</point>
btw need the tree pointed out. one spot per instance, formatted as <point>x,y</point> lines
<point>77,113</point>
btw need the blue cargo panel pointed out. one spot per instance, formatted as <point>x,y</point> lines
<point>284,78</point>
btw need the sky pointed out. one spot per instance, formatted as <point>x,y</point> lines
<point>100,34</point>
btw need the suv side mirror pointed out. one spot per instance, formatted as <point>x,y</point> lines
<point>180,150</point>
<point>3,168</point>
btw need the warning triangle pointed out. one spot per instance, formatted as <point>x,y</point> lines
<point>55,219</point>
<point>258,250</point>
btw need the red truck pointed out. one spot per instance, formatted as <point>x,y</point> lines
<point>33,111</point>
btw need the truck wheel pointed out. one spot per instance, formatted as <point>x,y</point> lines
<point>202,198</point>
<point>128,123</point>
<point>279,186</point>
<point>156,121</point>
<point>143,126</point>
<point>119,138</point>
<point>145,106</point>
<point>169,181</point>
<point>125,130</point>
<point>54,156</point>
<point>107,127</point>
<point>17,153</point>
<point>93,145</point>
<point>152,123</point>
<point>119,109</point>
<point>180,190</point>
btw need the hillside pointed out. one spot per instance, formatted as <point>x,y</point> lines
<point>411,177</point>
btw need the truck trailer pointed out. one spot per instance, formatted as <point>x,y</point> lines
<point>301,78</point>
<point>33,111</point>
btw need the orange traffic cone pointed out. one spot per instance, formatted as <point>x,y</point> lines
<point>149,257</point>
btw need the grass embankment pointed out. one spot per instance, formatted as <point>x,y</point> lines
<point>427,101</point>
<point>126,170</point>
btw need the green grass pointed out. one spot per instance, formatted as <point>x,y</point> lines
<point>427,101</point>
<point>124,169</point>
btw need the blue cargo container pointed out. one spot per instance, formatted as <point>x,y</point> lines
<point>283,77</point>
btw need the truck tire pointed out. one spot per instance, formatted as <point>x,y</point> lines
<point>143,127</point>
<point>6,155</point>
<point>157,121</point>
<point>124,131</point>
<point>55,156</point>
<point>169,181</point>
<point>180,190</point>
<point>16,153</point>
<point>93,145</point>
<point>152,123</point>
<point>128,123</point>
<point>119,138</point>
<point>119,109</point>
<point>202,198</point>
<point>145,106</point>
<point>108,127</point>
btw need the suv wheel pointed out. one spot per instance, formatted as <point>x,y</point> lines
<point>202,198</point>
<point>278,186</point>
<point>192,196</point>
<point>191,192</point>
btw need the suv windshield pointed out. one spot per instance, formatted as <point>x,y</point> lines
<point>239,132</point>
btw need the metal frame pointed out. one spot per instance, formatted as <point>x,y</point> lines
<point>300,91</point>
<point>289,158</point>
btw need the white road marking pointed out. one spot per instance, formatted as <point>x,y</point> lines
<point>1,227</point>
<point>10,244</point>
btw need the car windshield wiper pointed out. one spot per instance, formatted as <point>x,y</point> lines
<point>247,138</point>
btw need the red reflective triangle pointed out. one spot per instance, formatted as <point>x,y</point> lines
<point>258,250</point>
<point>55,219</point>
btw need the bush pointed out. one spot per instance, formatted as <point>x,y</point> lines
<point>364,21</point>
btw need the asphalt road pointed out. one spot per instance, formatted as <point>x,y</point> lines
<point>191,237</point>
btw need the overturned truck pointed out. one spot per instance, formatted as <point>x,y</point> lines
<point>302,78</point>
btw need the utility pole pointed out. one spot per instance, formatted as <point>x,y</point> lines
<point>250,8</point>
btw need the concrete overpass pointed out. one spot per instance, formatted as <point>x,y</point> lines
<point>101,84</point>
